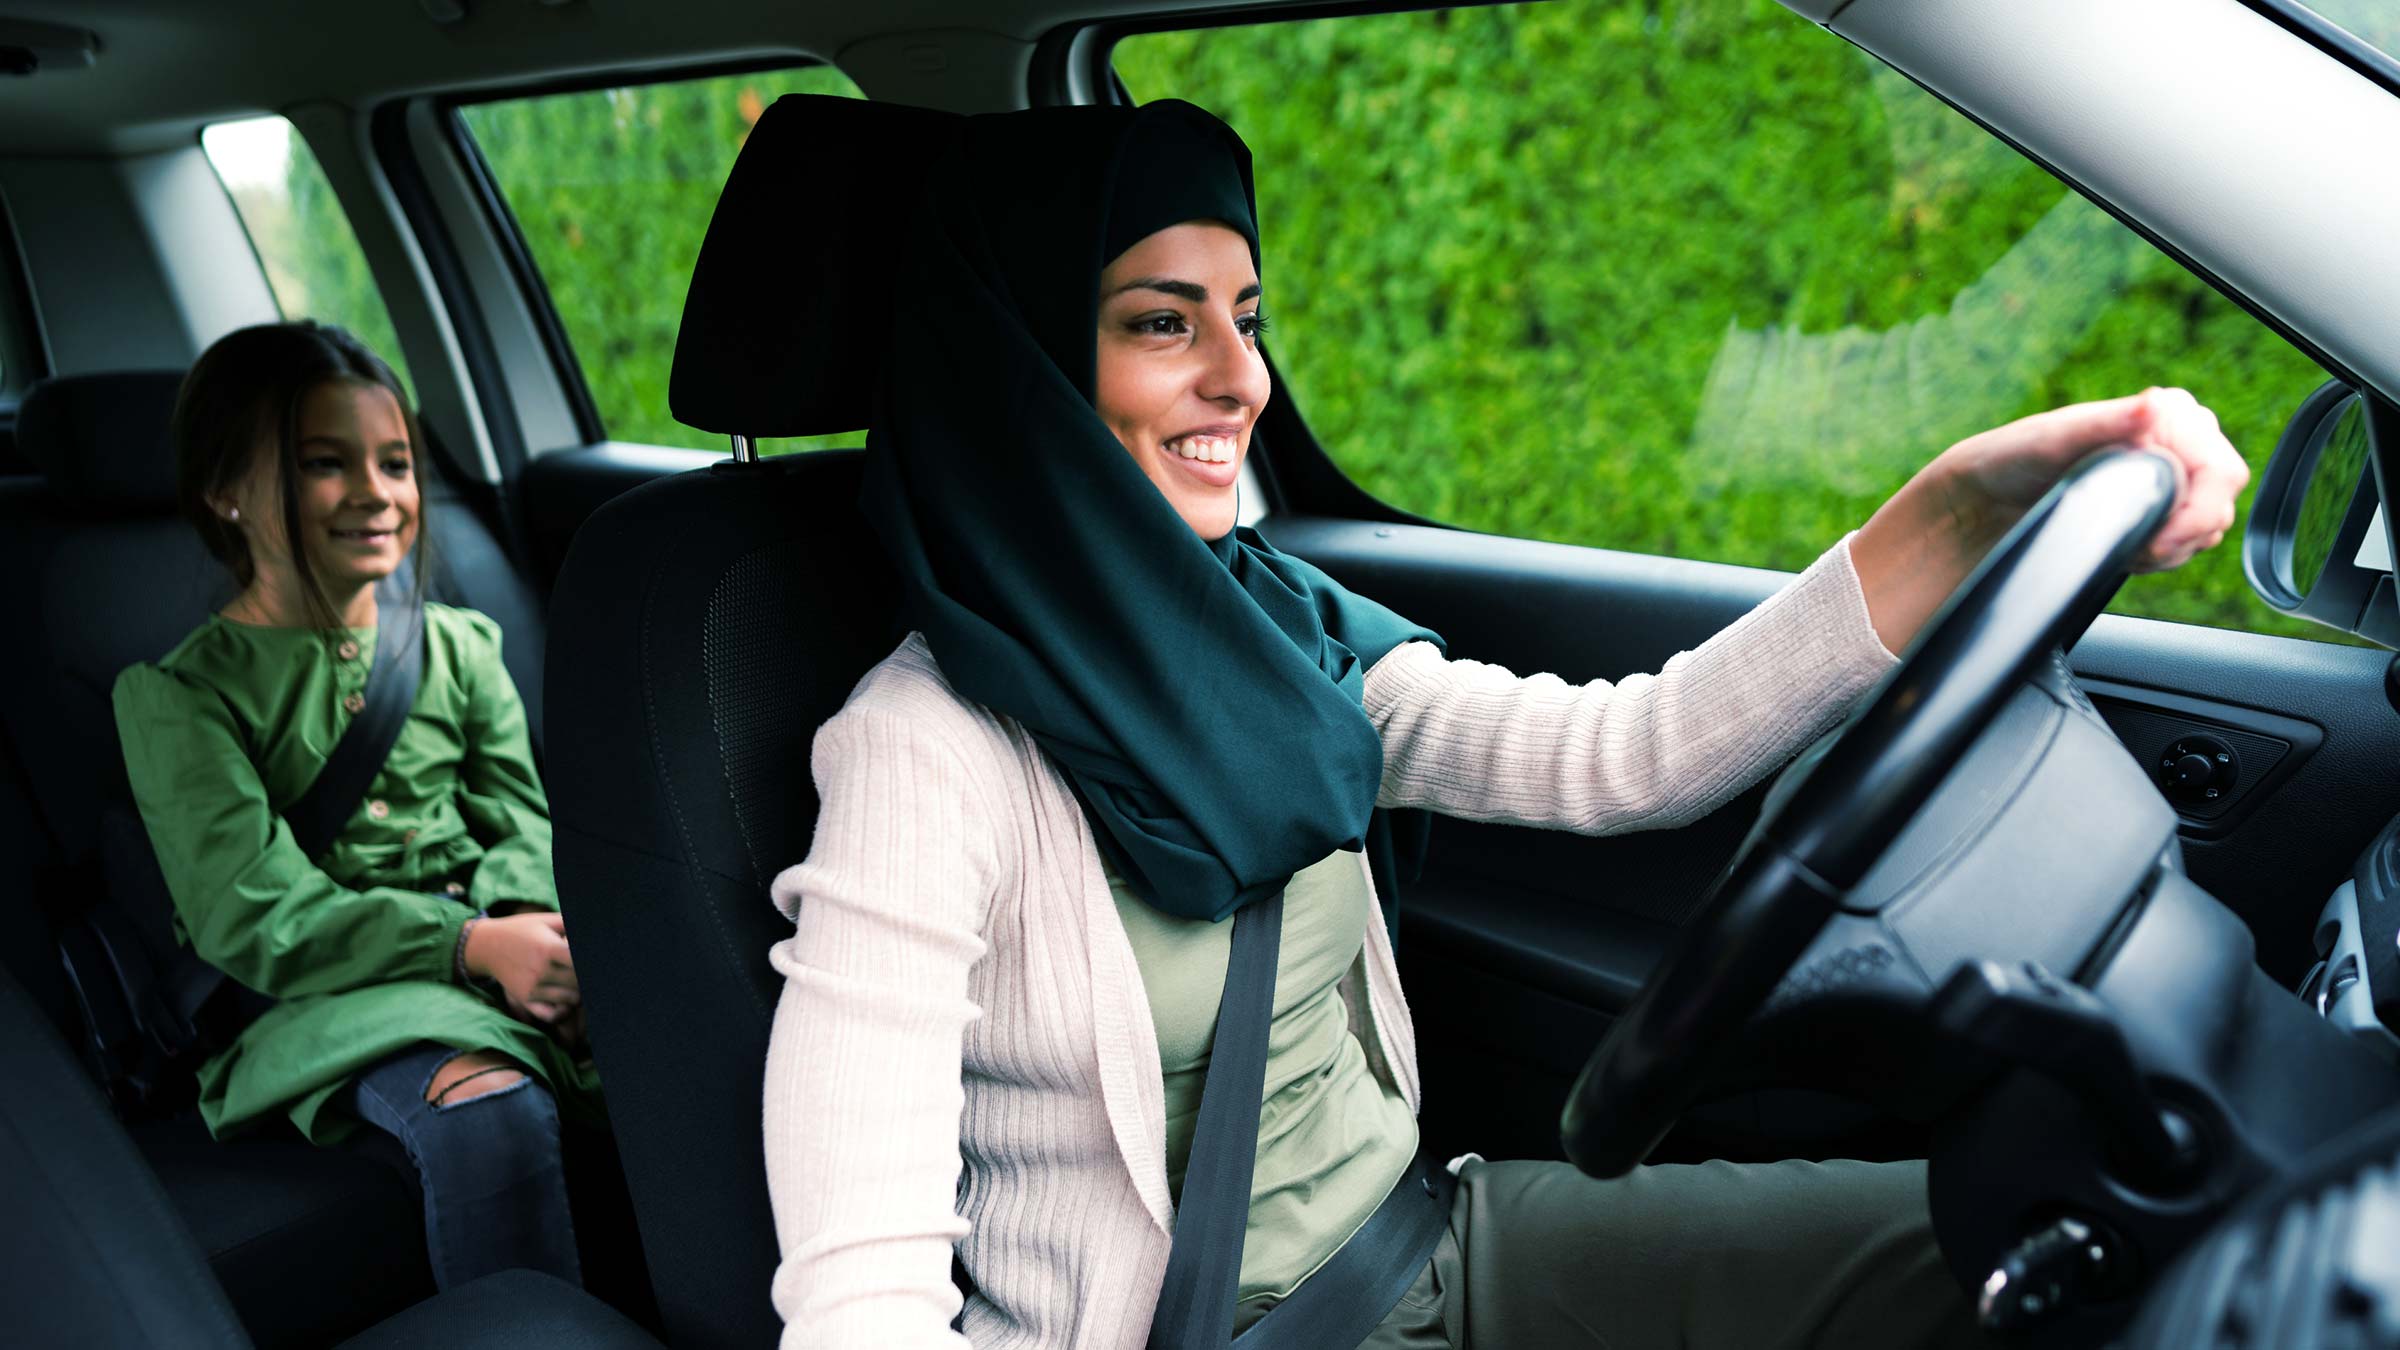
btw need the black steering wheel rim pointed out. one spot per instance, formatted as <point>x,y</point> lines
<point>2040,586</point>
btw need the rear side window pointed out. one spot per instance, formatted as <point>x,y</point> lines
<point>612,190</point>
<point>1681,278</point>
<point>304,242</point>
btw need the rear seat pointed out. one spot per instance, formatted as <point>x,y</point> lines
<point>310,1244</point>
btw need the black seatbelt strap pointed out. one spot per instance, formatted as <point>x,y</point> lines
<point>139,991</point>
<point>1204,1264</point>
<point>1342,1302</point>
<point>367,742</point>
<point>1348,1296</point>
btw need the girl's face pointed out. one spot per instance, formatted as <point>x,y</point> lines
<point>1179,377</point>
<point>355,477</point>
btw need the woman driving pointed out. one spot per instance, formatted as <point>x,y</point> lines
<point>1135,768</point>
<point>422,976</point>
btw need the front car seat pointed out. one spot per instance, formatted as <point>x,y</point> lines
<point>702,627</point>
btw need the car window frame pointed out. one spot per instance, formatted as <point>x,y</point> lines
<point>2331,38</point>
<point>492,199</point>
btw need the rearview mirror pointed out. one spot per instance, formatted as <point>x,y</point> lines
<point>2317,545</point>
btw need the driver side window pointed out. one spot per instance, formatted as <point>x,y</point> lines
<point>1685,278</point>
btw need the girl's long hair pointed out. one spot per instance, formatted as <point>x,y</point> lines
<point>243,398</point>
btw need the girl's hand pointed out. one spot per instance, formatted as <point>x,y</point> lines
<point>1990,479</point>
<point>527,955</point>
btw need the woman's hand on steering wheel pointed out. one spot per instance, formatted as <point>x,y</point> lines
<point>1991,478</point>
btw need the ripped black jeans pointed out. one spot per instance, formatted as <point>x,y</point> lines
<point>495,1187</point>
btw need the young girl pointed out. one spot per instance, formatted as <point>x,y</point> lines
<point>420,967</point>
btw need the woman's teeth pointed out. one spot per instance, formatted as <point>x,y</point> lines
<point>1212,449</point>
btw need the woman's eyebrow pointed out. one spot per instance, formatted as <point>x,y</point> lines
<point>1182,290</point>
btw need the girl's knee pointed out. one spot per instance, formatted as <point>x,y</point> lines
<point>469,1075</point>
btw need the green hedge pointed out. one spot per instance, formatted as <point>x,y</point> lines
<point>1684,278</point>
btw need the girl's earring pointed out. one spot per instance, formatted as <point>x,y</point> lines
<point>233,513</point>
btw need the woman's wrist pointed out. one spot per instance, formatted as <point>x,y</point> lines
<point>1916,548</point>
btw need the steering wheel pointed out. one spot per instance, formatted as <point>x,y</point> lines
<point>2040,587</point>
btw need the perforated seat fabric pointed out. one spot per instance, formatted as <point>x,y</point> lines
<point>702,627</point>
<point>102,573</point>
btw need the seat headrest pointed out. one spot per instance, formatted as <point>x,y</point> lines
<point>106,440</point>
<point>790,299</point>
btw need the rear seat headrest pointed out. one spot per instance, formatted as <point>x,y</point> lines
<point>105,440</point>
<point>789,299</point>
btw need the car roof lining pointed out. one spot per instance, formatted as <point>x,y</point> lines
<point>167,67</point>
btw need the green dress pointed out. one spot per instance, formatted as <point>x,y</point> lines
<point>358,945</point>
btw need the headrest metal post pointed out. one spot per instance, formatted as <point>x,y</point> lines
<point>745,450</point>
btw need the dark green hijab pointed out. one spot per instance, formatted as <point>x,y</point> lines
<point>1201,696</point>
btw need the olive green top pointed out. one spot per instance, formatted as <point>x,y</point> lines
<point>225,733</point>
<point>1331,1137</point>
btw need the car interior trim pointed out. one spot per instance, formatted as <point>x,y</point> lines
<point>501,439</point>
<point>2335,40</point>
<point>24,344</point>
<point>509,239</point>
<point>528,409</point>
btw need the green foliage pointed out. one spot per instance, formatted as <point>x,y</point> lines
<point>1684,276</point>
<point>613,189</point>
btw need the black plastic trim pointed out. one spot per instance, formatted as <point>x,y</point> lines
<point>629,77</point>
<point>2269,534</point>
<point>528,275</point>
<point>388,135</point>
<point>1572,947</point>
<point>2301,739</point>
<point>2332,39</point>
<point>25,339</point>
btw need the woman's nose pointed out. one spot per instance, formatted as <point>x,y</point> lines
<point>1236,370</point>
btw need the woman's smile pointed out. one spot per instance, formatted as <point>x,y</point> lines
<point>1211,454</point>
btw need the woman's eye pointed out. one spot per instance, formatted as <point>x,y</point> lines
<point>397,468</point>
<point>322,464</point>
<point>1251,325</point>
<point>1159,325</point>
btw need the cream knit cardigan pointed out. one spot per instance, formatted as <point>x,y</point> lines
<point>964,1058</point>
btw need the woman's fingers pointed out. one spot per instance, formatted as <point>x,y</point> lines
<point>2213,475</point>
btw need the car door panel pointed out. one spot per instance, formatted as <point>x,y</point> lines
<point>1519,945</point>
